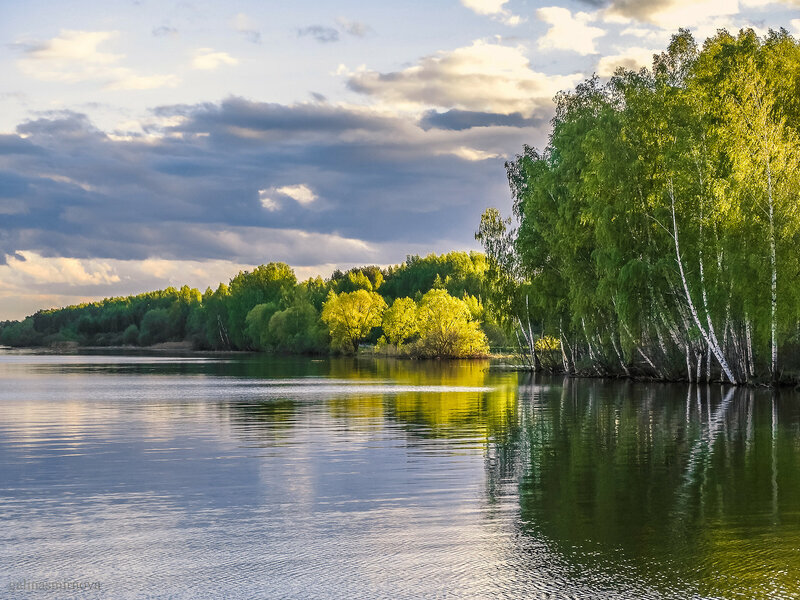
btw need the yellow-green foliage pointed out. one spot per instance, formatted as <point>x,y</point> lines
<point>400,321</point>
<point>446,327</point>
<point>546,343</point>
<point>351,316</point>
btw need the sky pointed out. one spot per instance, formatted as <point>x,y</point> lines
<point>148,143</point>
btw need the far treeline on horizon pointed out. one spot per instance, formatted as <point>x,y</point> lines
<point>656,236</point>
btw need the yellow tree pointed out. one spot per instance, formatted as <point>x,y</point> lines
<point>351,316</point>
<point>446,327</point>
<point>400,321</point>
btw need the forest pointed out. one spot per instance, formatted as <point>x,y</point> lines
<point>658,233</point>
<point>426,307</point>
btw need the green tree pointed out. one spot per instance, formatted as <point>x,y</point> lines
<point>298,329</point>
<point>272,282</point>
<point>156,327</point>
<point>257,325</point>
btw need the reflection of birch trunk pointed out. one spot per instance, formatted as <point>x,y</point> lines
<point>774,459</point>
<point>711,342</point>
<point>703,447</point>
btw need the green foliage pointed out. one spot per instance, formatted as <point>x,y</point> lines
<point>400,321</point>
<point>298,329</point>
<point>257,325</point>
<point>156,327</point>
<point>650,228</point>
<point>458,272</point>
<point>270,283</point>
<point>130,336</point>
<point>351,316</point>
<point>446,328</point>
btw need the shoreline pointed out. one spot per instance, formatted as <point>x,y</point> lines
<point>186,348</point>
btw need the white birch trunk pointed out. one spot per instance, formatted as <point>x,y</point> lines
<point>714,347</point>
<point>774,282</point>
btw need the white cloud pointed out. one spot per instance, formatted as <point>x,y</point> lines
<point>493,8</point>
<point>470,154</point>
<point>35,270</point>
<point>74,56</point>
<point>207,59</point>
<point>631,58</point>
<point>670,14</point>
<point>480,77</point>
<point>795,23</point>
<point>265,197</point>
<point>485,7</point>
<point>568,32</point>
<point>300,193</point>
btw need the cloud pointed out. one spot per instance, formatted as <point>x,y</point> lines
<point>74,56</point>
<point>470,154</point>
<point>485,7</point>
<point>208,59</point>
<point>632,59</point>
<point>494,9</point>
<point>246,27</point>
<point>68,272</point>
<point>301,193</point>
<point>265,197</point>
<point>795,23</point>
<point>481,77</point>
<point>320,33</point>
<point>197,185</point>
<point>164,31</point>
<point>670,14</point>
<point>568,31</point>
<point>348,185</point>
<point>459,120</point>
<point>354,28</point>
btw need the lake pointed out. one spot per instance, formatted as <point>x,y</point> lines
<point>247,476</point>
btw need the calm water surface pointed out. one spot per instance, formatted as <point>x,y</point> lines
<point>251,477</point>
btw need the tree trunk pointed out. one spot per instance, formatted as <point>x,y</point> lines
<point>714,347</point>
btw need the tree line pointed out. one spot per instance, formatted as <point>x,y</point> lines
<point>658,233</point>
<point>427,306</point>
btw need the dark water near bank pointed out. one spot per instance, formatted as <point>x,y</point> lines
<point>250,477</point>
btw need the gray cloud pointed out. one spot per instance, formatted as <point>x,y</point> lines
<point>320,33</point>
<point>68,189</point>
<point>354,28</point>
<point>458,120</point>
<point>164,31</point>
